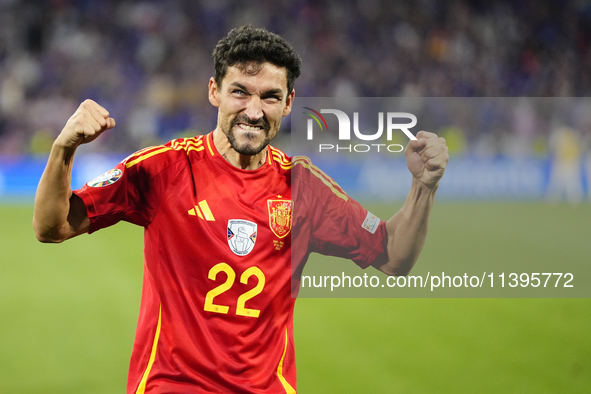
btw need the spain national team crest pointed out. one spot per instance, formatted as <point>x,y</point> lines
<point>108,178</point>
<point>242,235</point>
<point>280,216</point>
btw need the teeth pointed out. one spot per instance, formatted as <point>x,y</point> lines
<point>250,128</point>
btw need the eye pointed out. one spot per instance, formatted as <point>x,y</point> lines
<point>238,92</point>
<point>272,99</point>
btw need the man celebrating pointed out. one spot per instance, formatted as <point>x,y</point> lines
<point>229,221</point>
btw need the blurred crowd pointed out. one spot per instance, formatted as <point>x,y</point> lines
<point>148,62</point>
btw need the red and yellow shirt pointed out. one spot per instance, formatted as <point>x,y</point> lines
<point>222,246</point>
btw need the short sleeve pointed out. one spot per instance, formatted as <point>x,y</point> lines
<point>339,225</point>
<point>118,194</point>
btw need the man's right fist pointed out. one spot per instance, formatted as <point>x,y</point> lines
<point>88,122</point>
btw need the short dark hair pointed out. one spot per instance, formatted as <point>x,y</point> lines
<point>249,45</point>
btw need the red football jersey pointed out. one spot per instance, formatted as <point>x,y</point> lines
<point>221,247</point>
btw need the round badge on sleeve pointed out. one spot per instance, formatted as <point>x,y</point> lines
<point>108,178</point>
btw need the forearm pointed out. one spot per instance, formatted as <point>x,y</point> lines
<point>407,230</point>
<point>52,201</point>
<point>60,214</point>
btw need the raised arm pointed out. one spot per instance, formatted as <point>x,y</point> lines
<point>407,230</point>
<point>60,214</point>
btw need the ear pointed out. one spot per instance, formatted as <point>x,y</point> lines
<point>213,92</point>
<point>288,103</point>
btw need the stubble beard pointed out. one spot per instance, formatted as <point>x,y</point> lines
<point>247,149</point>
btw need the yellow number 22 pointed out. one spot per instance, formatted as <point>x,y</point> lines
<point>231,276</point>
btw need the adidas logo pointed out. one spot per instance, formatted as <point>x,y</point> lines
<point>202,210</point>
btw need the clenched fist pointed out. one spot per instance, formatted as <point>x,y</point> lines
<point>88,122</point>
<point>427,158</point>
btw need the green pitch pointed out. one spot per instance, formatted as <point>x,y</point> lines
<point>68,314</point>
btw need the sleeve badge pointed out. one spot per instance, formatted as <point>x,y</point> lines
<point>108,178</point>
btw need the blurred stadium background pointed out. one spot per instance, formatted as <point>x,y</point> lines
<point>68,312</point>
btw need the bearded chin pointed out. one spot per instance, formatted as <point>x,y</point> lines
<point>246,149</point>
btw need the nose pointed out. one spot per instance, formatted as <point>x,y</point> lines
<point>254,108</point>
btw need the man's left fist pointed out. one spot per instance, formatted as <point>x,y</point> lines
<point>426,158</point>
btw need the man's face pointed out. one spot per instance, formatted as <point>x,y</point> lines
<point>251,103</point>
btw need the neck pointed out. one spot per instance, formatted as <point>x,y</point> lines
<point>244,162</point>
